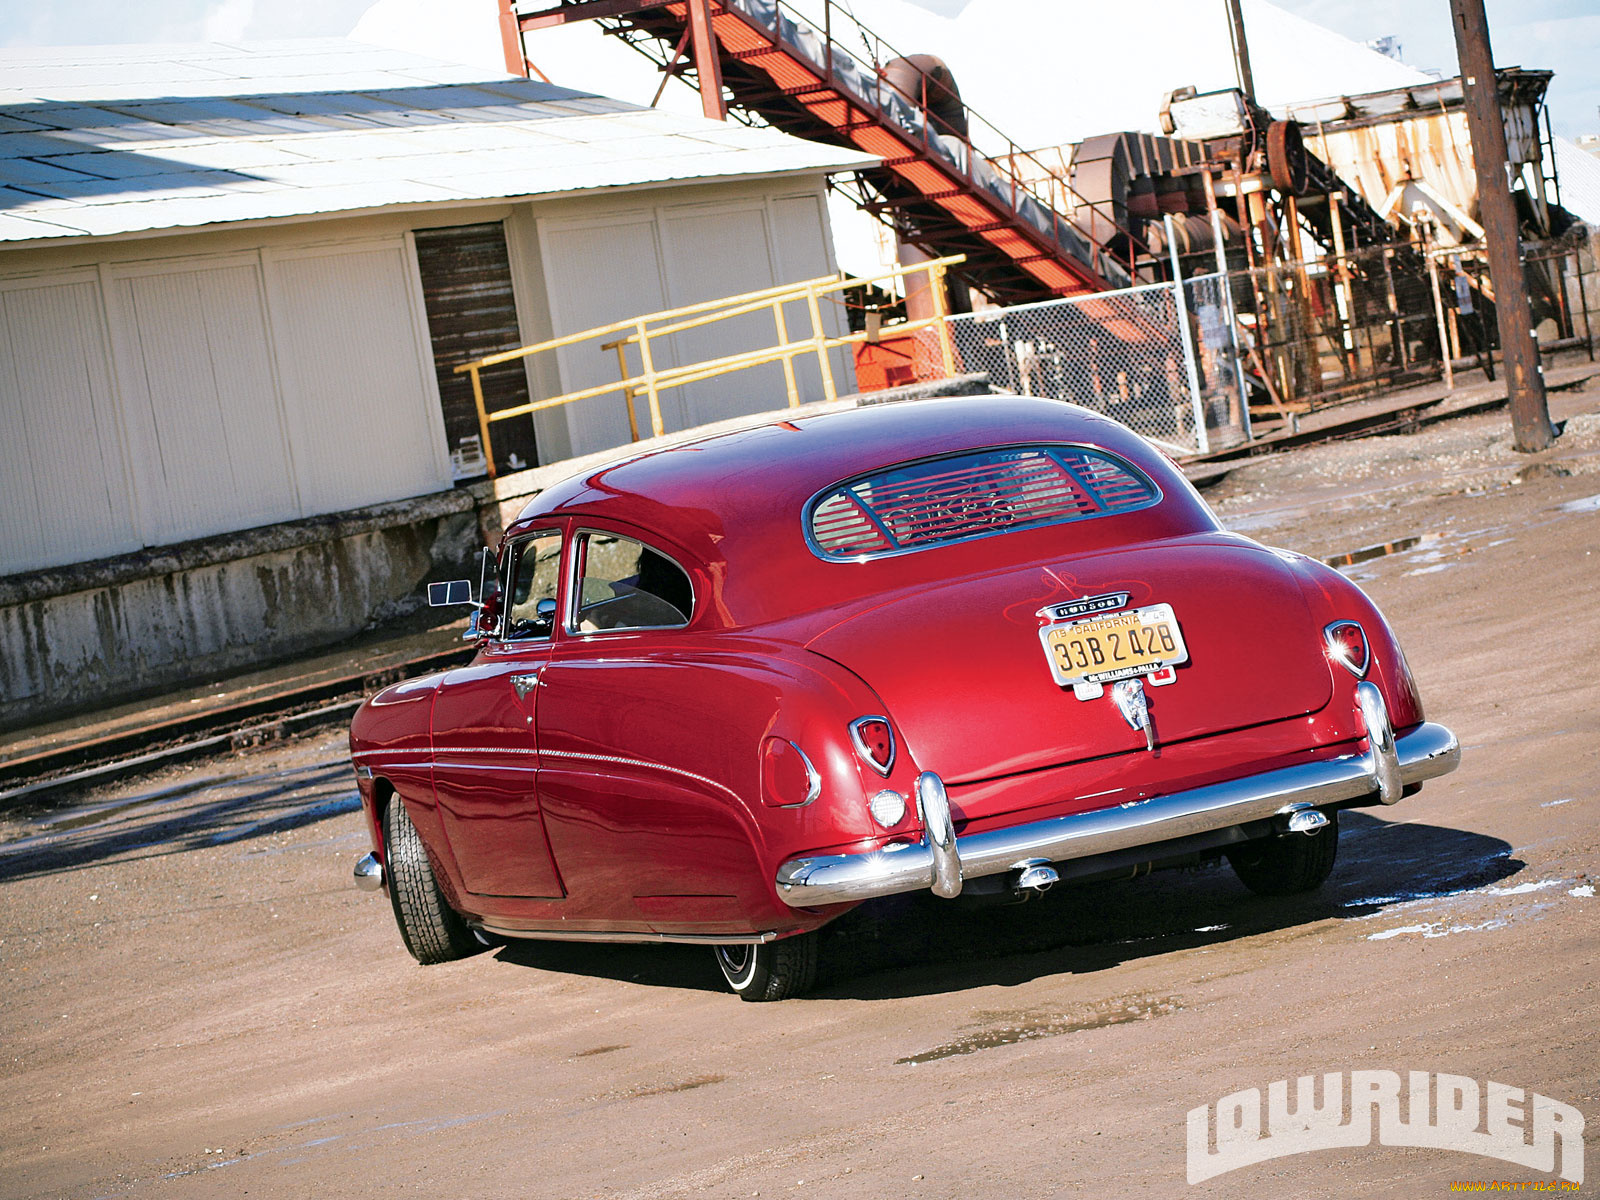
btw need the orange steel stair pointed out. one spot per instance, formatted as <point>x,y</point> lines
<point>936,185</point>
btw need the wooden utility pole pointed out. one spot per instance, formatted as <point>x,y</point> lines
<point>1530,414</point>
<point>1241,50</point>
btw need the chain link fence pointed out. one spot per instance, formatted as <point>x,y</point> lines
<point>1164,366</point>
<point>1284,339</point>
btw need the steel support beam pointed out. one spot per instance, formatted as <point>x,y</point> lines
<point>707,60</point>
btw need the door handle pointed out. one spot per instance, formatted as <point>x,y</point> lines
<point>525,684</point>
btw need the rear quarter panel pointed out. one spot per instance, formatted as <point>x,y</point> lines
<point>651,779</point>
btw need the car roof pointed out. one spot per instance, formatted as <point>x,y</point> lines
<point>738,498</point>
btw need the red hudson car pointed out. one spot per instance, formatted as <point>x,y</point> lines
<point>727,690</point>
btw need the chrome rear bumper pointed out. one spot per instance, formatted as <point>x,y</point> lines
<point>941,861</point>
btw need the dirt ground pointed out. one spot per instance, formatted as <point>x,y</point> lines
<point>198,1003</point>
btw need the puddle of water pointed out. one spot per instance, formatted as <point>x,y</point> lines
<point>1587,504</point>
<point>1434,569</point>
<point>1558,803</point>
<point>1381,550</point>
<point>1584,891</point>
<point>1017,1027</point>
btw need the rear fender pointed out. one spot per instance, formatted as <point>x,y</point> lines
<point>1331,597</point>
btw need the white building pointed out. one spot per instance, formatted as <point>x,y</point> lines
<point>233,283</point>
<point>220,267</point>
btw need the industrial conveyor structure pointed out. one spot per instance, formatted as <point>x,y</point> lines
<point>950,183</point>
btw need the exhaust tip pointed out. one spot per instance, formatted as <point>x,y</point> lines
<point>1307,821</point>
<point>369,873</point>
<point>1037,877</point>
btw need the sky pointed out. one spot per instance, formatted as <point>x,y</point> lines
<point>1559,35</point>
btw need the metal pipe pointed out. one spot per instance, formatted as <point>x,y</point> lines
<point>1181,303</point>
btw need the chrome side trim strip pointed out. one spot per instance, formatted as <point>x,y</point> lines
<point>1424,753</point>
<point>431,759</point>
<point>600,935</point>
<point>637,762</point>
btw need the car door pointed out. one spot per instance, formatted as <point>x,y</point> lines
<point>632,760</point>
<point>484,735</point>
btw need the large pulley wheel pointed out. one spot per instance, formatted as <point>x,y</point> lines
<point>1286,158</point>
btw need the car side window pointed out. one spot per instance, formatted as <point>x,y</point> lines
<point>624,584</point>
<point>536,579</point>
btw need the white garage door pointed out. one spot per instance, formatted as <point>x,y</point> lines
<point>63,485</point>
<point>363,422</point>
<point>204,426</point>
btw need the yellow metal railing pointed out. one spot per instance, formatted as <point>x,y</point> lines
<point>651,381</point>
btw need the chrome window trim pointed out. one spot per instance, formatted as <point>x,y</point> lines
<point>808,510</point>
<point>861,746</point>
<point>511,556</point>
<point>575,583</point>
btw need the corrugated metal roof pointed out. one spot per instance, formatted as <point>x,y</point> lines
<point>107,140</point>
<point>1580,182</point>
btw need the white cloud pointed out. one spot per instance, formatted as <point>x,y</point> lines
<point>227,21</point>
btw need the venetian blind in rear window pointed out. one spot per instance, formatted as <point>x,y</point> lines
<point>972,494</point>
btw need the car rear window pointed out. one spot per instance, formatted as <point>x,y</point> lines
<point>972,494</point>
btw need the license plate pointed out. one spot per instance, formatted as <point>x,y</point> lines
<point>1114,645</point>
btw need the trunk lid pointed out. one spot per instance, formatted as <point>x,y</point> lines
<point>964,675</point>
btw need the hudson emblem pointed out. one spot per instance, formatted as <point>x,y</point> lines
<point>1082,608</point>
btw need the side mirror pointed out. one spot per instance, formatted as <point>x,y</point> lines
<point>546,610</point>
<point>446,595</point>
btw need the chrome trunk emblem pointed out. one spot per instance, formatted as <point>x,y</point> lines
<point>1128,695</point>
<point>1106,602</point>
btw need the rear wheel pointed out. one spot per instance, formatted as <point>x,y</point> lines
<point>432,930</point>
<point>772,970</point>
<point>1287,865</point>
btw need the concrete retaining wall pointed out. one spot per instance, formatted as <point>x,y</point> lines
<point>94,633</point>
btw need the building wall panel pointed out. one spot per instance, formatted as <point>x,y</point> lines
<point>200,401</point>
<point>712,252</point>
<point>63,486</point>
<point>360,405</point>
<point>804,248</point>
<point>600,270</point>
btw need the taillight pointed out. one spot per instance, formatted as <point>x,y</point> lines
<point>874,741</point>
<point>1347,646</point>
<point>788,780</point>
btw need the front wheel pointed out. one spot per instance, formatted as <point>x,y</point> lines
<point>432,930</point>
<point>772,970</point>
<point>1288,864</point>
